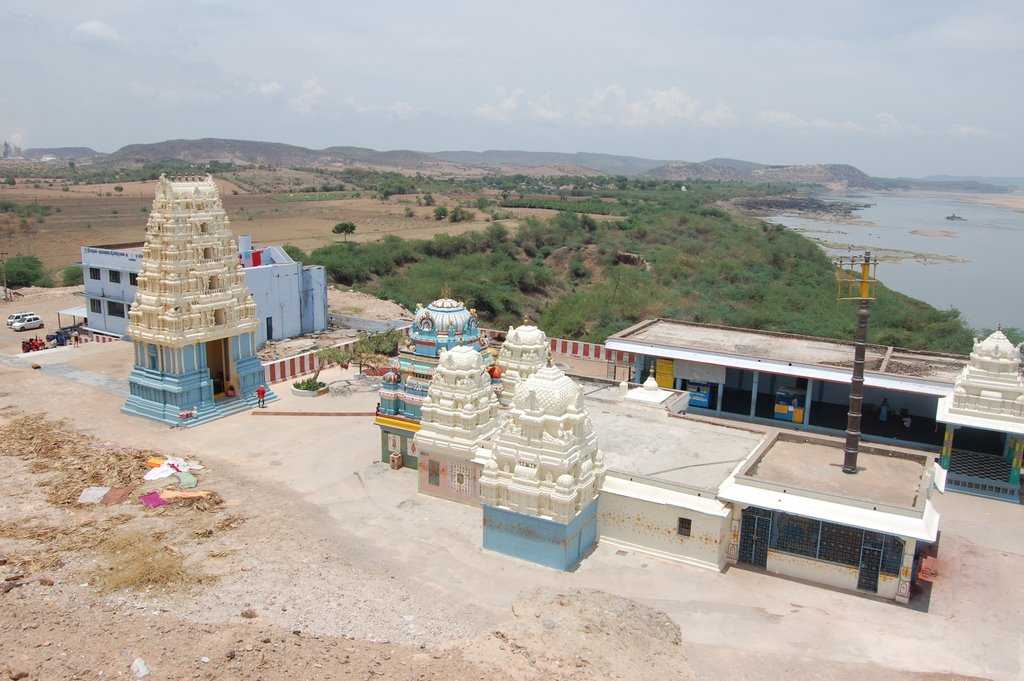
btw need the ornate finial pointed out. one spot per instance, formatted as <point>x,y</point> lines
<point>445,291</point>
<point>526,320</point>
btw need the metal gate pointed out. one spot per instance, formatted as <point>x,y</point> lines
<point>754,534</point>
<point>870,561</point>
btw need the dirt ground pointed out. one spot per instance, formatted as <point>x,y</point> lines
<point>45,302</point>
<point>334,545</point>
<point>91,215</point>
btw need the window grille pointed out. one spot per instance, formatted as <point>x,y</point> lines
<point>114,276</point>
<point>94,273</point>
<point>841,544</point>
<point>434,473</point>
<point>95,305</point>
<point>892,555</point>
<point>797,534</point>
<point>684,527</point>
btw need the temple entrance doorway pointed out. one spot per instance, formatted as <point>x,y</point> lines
<point>219,365</point>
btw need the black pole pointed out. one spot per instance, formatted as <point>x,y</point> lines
<point>856,390</point>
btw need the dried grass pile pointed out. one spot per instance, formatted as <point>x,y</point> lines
<point>75,460</point>
<point>135,561</point>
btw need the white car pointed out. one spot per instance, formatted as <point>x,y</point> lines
<point>18,316</point>
<point>27,323</point>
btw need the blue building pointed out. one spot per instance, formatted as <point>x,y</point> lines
<point>291,298</point>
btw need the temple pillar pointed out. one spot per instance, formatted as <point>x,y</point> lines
<point>807,402</point>
<point>721,395</point>
<point>1018,453</point>
<point>947,447</point>
<point>753,394</point>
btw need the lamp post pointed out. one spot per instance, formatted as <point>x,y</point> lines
<point>855,277</point>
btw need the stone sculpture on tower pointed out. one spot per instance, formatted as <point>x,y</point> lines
<point>524,351</point>
<point>458,417</point>
<point>193,321</point>
<point>539,487</point>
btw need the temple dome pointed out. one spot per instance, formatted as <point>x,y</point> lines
<point>462,357</point>
<point>553,391</point>
<point>996,346</point>
<point>527,334</point>
<point>444,315</point>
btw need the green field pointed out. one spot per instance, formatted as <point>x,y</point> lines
<point>702,264</point>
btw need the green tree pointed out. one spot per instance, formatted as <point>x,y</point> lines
<point>295,253</point>
<point>118,188</point>
<point>26,270</point>
<point>345,228</point>
<point>10,181</point>
<point>71,275</point>
<point>428,199</point>
<point>409,212</point>
<point>440,213</point>
<point>329,356</point>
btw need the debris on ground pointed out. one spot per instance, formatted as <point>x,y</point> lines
<point>139,668</point>
<point>92,495</point>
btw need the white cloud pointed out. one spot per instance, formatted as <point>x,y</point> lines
<point>515,105</point>
<point>787,119</point>
<point>986,32</point>
<point>970,131</point>
<point>269,88</point>
<point>96,30</point>
<point>673,105</point>
<point>542,109</point>
<point>309,95</point>
<point>504,108</point>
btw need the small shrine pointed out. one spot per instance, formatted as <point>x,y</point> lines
<point>539,485</point>
<point>457,417</point>
<point>443,325</point>
<point>988,395</point>
<point>524,351</point>
<point>193,322</point>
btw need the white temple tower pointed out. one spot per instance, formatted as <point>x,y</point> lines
<point>540,486</point>
<point>524,351</point>
<point>458,417</point>
<point>193,321</point>
<point>988,395</point>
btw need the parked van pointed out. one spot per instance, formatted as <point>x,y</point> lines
<point>27,323</point>
<point>17,317</point>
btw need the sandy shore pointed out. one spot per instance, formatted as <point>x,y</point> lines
<point>1011,200</point>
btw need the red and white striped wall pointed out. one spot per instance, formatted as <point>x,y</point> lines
<point>279,370</point>
<point>285,369</point>
<point>594,351</point>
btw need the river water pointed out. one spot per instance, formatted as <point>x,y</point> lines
<point>985,288</point>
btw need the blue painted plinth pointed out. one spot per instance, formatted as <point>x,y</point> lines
<point>539,540</point>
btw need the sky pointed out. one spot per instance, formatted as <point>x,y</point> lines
<point>905,88</point>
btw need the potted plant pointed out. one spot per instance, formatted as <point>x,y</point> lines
<point>313,386</point>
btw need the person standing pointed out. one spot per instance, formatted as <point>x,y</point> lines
<point>261,396</point>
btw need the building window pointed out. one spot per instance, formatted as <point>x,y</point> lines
<point>95,305</point>
<point>433,473</point>
<point>460,479</point>
<point>892,555</point>
<point>684,526</point>
<point>133,278</point>
<point>841,544</point>
<point>114,276</point>
<point>94,273</point>
<point>115,309</point>
<point>797,534</point>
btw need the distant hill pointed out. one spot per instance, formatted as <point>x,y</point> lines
<point>609,164</point>
<point>250,152</point>
<point>724,169</point>
<point>62,153</point>
<point>1015,182</point>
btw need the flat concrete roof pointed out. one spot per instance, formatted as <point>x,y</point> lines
<point>798,462</point>
<point>789,349</point>
<point>645,440</point>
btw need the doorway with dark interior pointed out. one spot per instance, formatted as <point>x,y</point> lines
<point>219,365</point>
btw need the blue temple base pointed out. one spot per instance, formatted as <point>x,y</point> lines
<point>162,396</point>
<point>539,540</point>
